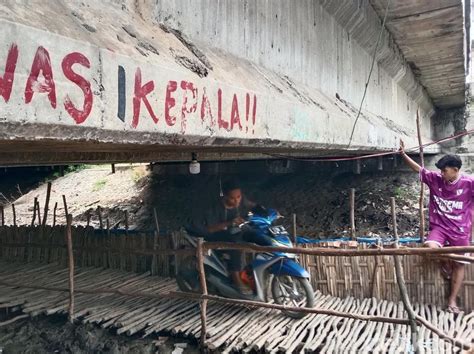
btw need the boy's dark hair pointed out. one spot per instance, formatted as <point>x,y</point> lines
<point>230,185</point>
<point>449,161</point>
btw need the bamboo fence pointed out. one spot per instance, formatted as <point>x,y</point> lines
<point>19,245</point>
<point>359,277</point>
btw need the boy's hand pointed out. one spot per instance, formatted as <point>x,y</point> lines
<point>402,146</point>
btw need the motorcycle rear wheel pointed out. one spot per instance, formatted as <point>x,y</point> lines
<point>292,291</point>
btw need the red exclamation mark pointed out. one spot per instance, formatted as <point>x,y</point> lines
<point>247,111</point>
<point>254,112</point>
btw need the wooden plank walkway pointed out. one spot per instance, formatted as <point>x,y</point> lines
<point>231,328</point>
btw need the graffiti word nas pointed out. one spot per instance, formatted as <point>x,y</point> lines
<point>167,102</point>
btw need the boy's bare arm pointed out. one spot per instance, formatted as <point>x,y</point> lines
<point>408,160</point>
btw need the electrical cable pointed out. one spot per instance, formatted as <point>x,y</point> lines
<point>337,159</point>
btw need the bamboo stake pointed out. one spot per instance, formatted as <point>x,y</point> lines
<point>202,281</point>
<point>174,247</point>
<point>14,214</point>
<point>34,212</point>
<point>37,206</point>
<point>352,213</point>
<point>88,216</point>
<point>66,213</point>
<point>71,266</point>
<point>126,221</point>
<point>402,285</point>
<point>99,213</point>
<point>54,213</point>
<point>46,204</point>
<point>155,242</point>
<point>422,185</point>
<point>2,215</point>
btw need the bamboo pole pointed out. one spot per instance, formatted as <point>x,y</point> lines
<point>402,285</point>
<point>444,252</point>
<point>88,216</point>
<point>66,213</point>
<point>14,214</point>
<point>38,210</point>
<point>422,185</point>
<point>155,242</point>
<point>34,212</point>
<point>99,213</point>
<point>321,251</point>
<point>202,281</point>
<point>455,257</point>
<point>54,213</point>
<point>114,250</point>
<point>46,204</point>
<point>352,213</point>
<point>126,221</point>
<point>71,266</point>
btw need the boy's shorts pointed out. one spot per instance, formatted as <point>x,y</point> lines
<point>443,238</point>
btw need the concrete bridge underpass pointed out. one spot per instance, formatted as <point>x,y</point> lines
<point>88,81</point>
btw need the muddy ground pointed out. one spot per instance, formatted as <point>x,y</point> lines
<point>54,334</point>
<point>320,202</point>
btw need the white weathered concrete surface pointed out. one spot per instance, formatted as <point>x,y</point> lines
<point>291,86</point>
<point>431,36</point>
<point>325,44</point>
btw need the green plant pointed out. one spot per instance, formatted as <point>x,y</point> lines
<point>98,185</point>
<point>75,168</point>
<point>138,174</point>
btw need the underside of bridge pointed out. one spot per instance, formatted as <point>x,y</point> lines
<point>141,81</point>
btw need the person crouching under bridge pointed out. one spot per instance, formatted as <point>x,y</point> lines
<point>450,212</point>
<point>220,223</point>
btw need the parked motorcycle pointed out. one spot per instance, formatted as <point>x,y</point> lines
<point>287,279</point>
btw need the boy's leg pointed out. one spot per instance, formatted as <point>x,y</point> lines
<point>458,271</point>
<point>456,283</point>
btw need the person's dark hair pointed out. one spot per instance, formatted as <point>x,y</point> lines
<point>230,185</point>
<point>449,161</point>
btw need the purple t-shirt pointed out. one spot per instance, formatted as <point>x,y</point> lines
<point>450,202</point>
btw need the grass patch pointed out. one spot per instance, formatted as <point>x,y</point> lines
<point>138,174</point>
<point>98,185</point>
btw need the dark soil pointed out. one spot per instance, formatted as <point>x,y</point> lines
<point>56,335</point>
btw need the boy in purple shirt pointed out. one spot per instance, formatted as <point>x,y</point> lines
<point>450,211</point>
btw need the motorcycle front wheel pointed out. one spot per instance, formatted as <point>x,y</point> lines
<point>294,292</point>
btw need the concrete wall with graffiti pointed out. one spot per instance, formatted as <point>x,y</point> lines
<point>119,78</point>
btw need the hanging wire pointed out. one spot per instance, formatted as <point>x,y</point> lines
<point>342,158</point>
<point>370,73</point>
